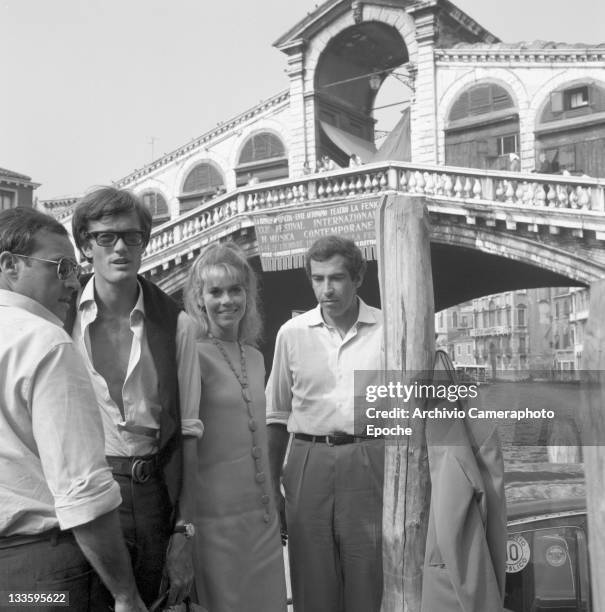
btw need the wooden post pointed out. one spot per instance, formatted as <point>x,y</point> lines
<point>593,371</point>
<point>406,289</point>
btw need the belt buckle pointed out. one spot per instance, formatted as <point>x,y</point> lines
<point>138,471</point>
<point>338,438</point>
<point>329,440</point>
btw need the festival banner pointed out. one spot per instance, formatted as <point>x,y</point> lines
<point>284,237</point>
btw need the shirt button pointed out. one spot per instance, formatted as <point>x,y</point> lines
<point>266,517</point>
<point>265,499</point>
<point>260,477</point>
<point>256,452</point>
<point>252,425</point>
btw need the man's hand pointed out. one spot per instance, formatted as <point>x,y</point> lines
<point>179,568</point>
<point>133,603</point>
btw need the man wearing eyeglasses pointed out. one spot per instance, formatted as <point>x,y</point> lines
<point>57,497</point>
<point>139,349</point>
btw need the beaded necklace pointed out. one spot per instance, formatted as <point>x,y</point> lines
<point>259,477</point>
<point>243,379</point>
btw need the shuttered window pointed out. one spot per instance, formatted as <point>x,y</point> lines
<point>480,100</point>
<point>203,178</point>
<point>156,203</point>
<point>263,158</point>
<point>262,146</point>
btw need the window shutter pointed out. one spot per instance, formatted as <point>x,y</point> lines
<point>593,95</point>
<point>556,101</point>
<point>479,99</point>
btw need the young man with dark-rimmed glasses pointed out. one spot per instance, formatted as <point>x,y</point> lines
<point>139,348</point>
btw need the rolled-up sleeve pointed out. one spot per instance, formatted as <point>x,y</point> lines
<point>279,386</point>
<point>189,375</point>
<point>67,428</point>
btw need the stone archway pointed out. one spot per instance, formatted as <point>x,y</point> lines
<point>348,75</point>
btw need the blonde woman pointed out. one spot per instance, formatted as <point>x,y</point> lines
<point>238,556</point>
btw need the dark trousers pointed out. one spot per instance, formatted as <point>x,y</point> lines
<point>334,517</point>
<point>49,565</point>
<point>145,520</point>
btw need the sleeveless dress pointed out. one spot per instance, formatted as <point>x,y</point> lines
<point>238,557</point>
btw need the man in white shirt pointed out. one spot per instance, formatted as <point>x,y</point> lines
<point>139,349</point>
<point>58,499</point>
<point>333,474</point>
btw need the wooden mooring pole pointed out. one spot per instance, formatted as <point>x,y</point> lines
<point>406,289</point>
<point>593,372</point>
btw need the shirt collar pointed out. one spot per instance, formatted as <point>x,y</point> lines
<point>364,316</point>
<point>18,300</point>
<point>87,298</point>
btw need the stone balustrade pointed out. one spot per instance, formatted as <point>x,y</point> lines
<point>446,188</point>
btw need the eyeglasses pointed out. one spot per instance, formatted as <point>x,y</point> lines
<point>108,239</point>
<point>65,266</point>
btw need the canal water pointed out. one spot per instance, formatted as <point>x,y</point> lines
<point>527,441</point>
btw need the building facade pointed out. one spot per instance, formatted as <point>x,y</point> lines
<point>476,102</point>
<point>533,332</point>
<point>482,116</point>
<point>16,189</point>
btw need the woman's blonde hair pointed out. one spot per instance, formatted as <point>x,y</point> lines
<point>230,258</point>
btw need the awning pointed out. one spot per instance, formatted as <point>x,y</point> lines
<point>397,146</point>
<point>349,143</point>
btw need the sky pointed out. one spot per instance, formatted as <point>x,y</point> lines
<point>87,85</point>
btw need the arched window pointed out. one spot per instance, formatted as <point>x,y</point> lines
<point>156,203</point>
<point>263,158</point>
<point>203,178</point>
<point>203,182</point>
<point>570,131</point>
<point>482,129</point>
<point>480,100</point>
<point>262,146</point>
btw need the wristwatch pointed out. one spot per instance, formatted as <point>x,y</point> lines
<point>188,529</point>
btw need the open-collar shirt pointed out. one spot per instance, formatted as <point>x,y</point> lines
<point>311,387</point>
<point>137,433</point>
<point>52,465</point>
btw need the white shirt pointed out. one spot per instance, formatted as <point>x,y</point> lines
<point>52,465</point>
<point>138,432</point>
<point>311,387</point>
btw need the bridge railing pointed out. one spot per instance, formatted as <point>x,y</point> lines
<point>568,194</point>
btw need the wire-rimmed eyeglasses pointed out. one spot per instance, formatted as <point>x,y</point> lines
<point>65,266</point>
<point>108,239</point>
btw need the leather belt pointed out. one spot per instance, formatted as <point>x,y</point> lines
<point>140,469</point>
<point>336,439</point>
<point>52,536</point>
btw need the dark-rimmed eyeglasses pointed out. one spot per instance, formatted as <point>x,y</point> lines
<point>108,239</point>
<point>65,266</point>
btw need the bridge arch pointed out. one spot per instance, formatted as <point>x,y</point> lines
<point>471,262</point>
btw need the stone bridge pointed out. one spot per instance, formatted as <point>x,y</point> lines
<point>491,231</point>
